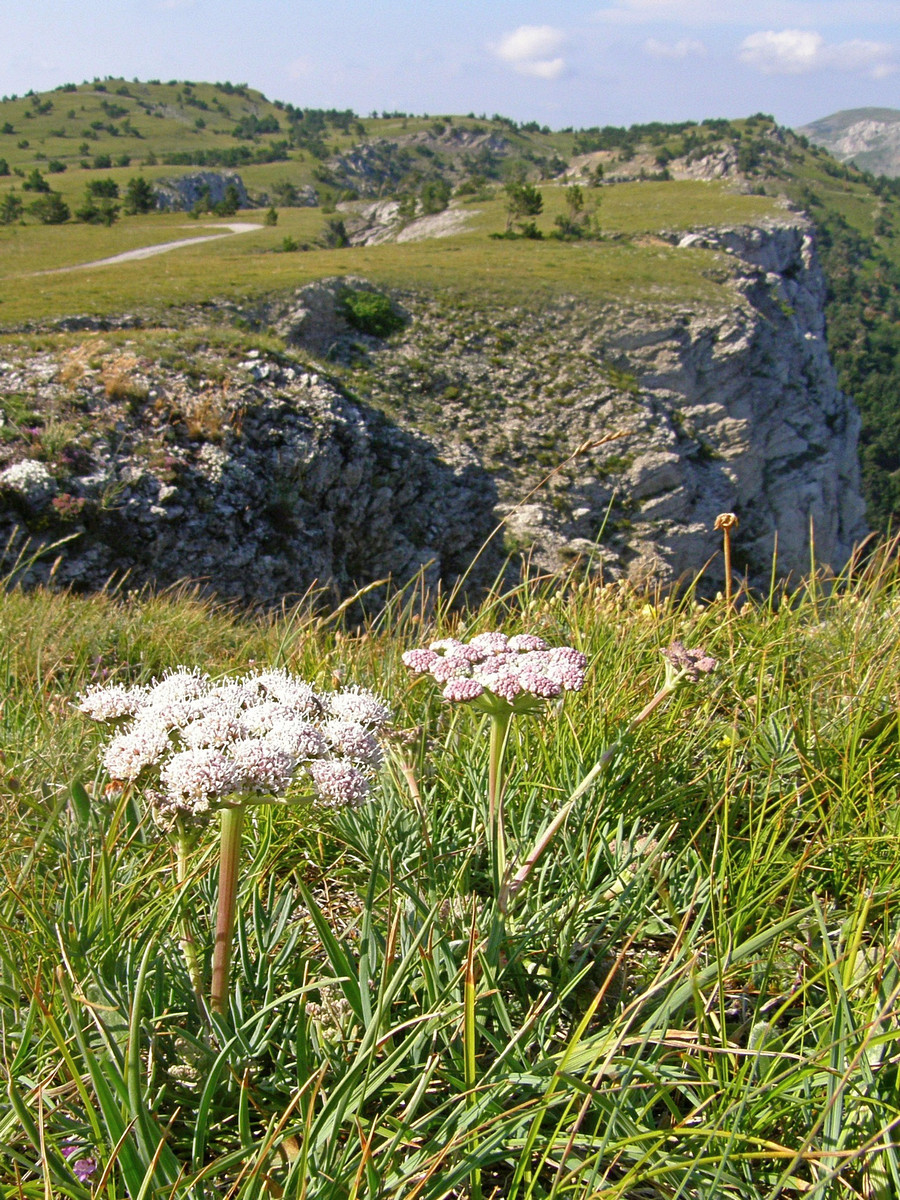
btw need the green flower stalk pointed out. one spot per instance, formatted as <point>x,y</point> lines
<point>503,677</point>
<point>187,940</point>
<point>682,666</point>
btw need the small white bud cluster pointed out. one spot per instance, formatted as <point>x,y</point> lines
<point>30,479</point>
<point>494,669</point>
<point>203,744</point>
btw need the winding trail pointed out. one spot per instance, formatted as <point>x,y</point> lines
<point>233,228</point>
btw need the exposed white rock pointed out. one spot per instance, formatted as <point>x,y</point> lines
<point>182,192</point>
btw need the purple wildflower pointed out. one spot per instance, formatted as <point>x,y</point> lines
<point>690,664</point>
<point>82,1168</point>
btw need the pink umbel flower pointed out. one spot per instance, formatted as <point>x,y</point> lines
<point>461,689</point>
<point>687,664</point>
<point>451,666</point>
<point>420,660</point>
<point>490,643</point>
<point>495,670</point>
<point>528,641</point>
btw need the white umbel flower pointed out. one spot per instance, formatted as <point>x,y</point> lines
<point>111,702</point>
<point>130,753</point>
<point>197,745</point>
<point>195,778</point>
<point>338,783</point>
<point>360,705</point>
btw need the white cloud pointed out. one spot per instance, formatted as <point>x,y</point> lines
<point>791,52</point>
<point>737,12</point>
<point>683,48</point>
<point>531,50</point>
<point>799,51</point>
<point>873,58</point>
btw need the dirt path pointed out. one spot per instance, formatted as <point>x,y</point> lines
<point>233,227</point>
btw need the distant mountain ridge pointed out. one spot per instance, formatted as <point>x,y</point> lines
<point>868,137</point>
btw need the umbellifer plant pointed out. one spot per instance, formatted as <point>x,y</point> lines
<point>196,748</point>
<point>502,677</point>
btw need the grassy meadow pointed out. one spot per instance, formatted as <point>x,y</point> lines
<point>629,267</point>
<point>693,993</point>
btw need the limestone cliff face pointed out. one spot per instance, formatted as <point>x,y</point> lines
<point>582,432</point>
<point>712,412</point>
<point>756,394</point>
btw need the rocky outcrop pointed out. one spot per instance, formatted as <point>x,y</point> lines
<point>181,193</point>
<point>708,411</point>
<point>868,137</point>
<point>583,431</point>
<point>372,224</point>
<point>259,491</point>
<point>381,166</point>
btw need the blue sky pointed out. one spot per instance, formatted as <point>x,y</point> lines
<point>573,62</point>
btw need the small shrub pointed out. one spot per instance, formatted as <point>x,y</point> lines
<point>97,210</point>
<point>371,313</point>
<point>11,208</point>
<point>36,182</point>
<point>139,196</point>
<point>334,235</point>
<point>105,188</point>
<point>50,209</point>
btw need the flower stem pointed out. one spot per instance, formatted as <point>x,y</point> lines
<point>186,938</point>
<point>500,723</point>
<point>229,854</point>
<point>470,1051</point>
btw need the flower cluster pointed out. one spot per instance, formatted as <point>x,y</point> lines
<point>204,744</point>
<point>686,664</point>
<point>83,1165</point>
<point>30,479</point>
<point>517,672</point>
